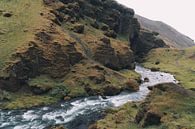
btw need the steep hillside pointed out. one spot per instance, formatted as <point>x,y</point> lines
<point>53,50</point>
<point>171,36</point>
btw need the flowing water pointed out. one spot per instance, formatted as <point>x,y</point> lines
<point>78,113</point>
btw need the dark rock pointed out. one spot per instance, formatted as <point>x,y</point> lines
<point>151,118</point>
<point>60,118</point>
<point>95,25</point>
<point>79,28</point>
<point>105,40</point>
<point>146,79</point>
<point>157,62</point>
<point>154,69</point>
<point>111,34</point>
<point>150,87</point>
<point>7,14</point>
<point>111,90</point>
<point>105,28</point>
<point>39,91</point>
<point>193,89</point>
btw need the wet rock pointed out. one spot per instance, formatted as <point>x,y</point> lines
<point>150,87</point>
<point>154,69</point>
<point>146,79</point>
<point>7,14</point>
<point>60,118</point>
<point>79,28</point>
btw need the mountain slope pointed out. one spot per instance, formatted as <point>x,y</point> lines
<point>171,36</point>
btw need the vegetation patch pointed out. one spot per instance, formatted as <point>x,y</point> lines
<point>180,63</point>
<point>19,101</point>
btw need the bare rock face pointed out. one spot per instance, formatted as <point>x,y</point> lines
<point>144,42</point>
<point>116,16</point>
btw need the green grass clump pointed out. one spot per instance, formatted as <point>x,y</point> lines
<point>28,101</point>
<point>130,74</point>
<point>121,118</point>
<point>77,92</point>
<point>19,28</point>
<point>180,63</point>
<point>43,82</point>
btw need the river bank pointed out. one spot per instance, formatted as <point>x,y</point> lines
<point>80,112</point>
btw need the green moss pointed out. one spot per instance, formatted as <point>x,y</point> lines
<point>43,82</point>
<point>4,95</point>
<point>77,92</point>
<point>180,63</point>
<point>121,118</point>
<point>59,91</point>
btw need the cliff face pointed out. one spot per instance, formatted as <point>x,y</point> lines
<point>78,49</point>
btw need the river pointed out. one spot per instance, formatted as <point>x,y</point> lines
<point>79,113</point>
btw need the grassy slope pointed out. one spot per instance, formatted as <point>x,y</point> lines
<point>16,32</point>
<point>18,29</point>
<point>180,63</point>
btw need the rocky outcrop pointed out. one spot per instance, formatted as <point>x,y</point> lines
<point>144,42</point>
<point>96,79</point>
<point>111,57</point>
<point>149,115</point>
<point>116,16</point>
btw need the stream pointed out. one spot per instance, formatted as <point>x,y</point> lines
<point>79,113</point>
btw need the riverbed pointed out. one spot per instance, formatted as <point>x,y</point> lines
<point>79,113</point>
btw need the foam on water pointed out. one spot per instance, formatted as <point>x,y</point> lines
<point>64,113</point>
